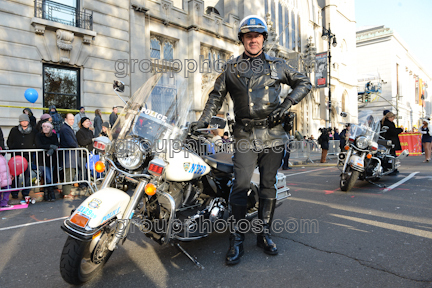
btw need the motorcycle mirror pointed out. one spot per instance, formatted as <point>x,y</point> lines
<point>343,114</point>
<point>220,122</point>
<point>118,86</point>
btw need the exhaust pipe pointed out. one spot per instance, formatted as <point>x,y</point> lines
<point>403,155</point>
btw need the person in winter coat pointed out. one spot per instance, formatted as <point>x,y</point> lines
<point>85,140</point>
<point>44,118</point>
<point>68,140</point>
<point>113,116</point>
<point>2,145</point>
<point>22,137</point>
<point>97,123</point>
<point>5,182</point>
<point>426,140</point>
<point>392,134</point>
<point>29,112</point>
<point>46,139</point>
<point>106,131</point>
<point>324,142</point>
<point>57,120</point>
<point>85,135</point>
<point>344,136</point>
<point>78,118</point>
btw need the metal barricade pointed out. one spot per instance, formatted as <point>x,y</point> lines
<point>334,148</point>
<point>65,166</point>
<point>301,149</point>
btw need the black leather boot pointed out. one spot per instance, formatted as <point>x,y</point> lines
<point>51,194</point>
<point>265,213</point>
<point>236,239</point>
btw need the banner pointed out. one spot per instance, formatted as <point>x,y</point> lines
<point>321,70</point>
<point>412,142</point>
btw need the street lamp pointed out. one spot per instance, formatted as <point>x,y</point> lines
<point>328,35</point>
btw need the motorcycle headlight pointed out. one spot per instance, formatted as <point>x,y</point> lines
<point>362,142</point>
<point>131,156</point>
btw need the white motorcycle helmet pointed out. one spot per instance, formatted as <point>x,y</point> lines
<point>252,23</point>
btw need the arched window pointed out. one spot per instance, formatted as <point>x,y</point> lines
<point>293,29</point>
<point>343,49</point>
<point>344,96</point>
<point>155,48</point>
<point>281,24</point>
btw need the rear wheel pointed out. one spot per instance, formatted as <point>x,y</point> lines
<point>81,261</point>
<point>347,184</point>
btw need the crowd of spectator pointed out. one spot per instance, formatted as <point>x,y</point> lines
<point>50,133</point>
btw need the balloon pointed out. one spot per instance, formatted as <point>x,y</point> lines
<point>31,95</point>
<point>16,164</point>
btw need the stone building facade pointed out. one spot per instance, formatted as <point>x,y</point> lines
<point>381,51</point>
<point>70,51</point>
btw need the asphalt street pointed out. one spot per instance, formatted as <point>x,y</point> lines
<point>369,237</point>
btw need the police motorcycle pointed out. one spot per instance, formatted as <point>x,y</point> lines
<point>179,191</point>
<point>367,155</point>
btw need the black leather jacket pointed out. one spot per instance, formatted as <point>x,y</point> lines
<point>255,93</point>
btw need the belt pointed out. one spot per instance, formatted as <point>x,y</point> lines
<point>251,123</point>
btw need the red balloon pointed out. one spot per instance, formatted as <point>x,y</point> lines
<point>16,165</point>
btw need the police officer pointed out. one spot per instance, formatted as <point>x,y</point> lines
<point>253,80</point>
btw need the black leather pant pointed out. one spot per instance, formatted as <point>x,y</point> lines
<point>269,161</point>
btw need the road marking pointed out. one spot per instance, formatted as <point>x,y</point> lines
<point>287,175</point>
<point>34,223</point>
<point>400,182</point>
<point>398,228</point>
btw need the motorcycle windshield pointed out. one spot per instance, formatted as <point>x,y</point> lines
<point>369,126</point>
<point>158,110</point>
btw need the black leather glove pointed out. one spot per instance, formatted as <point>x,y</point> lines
<point>276,117</point>
<point>194,126</point>
<point>54,147</point>
<point>50,152</point>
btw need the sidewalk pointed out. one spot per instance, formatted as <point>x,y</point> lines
<point>38,195</point>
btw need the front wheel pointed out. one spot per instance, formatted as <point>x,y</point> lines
<point>81,261</point>
<point>347,184</point>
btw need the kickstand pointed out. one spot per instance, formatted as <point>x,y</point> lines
<point>376,184</point>
<point>189,256</point>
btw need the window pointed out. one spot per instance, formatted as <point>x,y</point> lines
<point>65,12</point>
<point>163,94</point>
<point>287,29</point>
<point>61,87</point>
<point>168,51</point>
<point>293,27</point>
<point>281,24</point>
<point>273,12</point>
<point>161,47</point>
<point>298,34</point>
<point>155,48</point>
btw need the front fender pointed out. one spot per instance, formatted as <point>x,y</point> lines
<point>102,206</point>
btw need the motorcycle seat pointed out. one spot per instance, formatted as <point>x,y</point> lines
<point>385,143</point>
<point>382,148</point>
<point>220,161</point>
